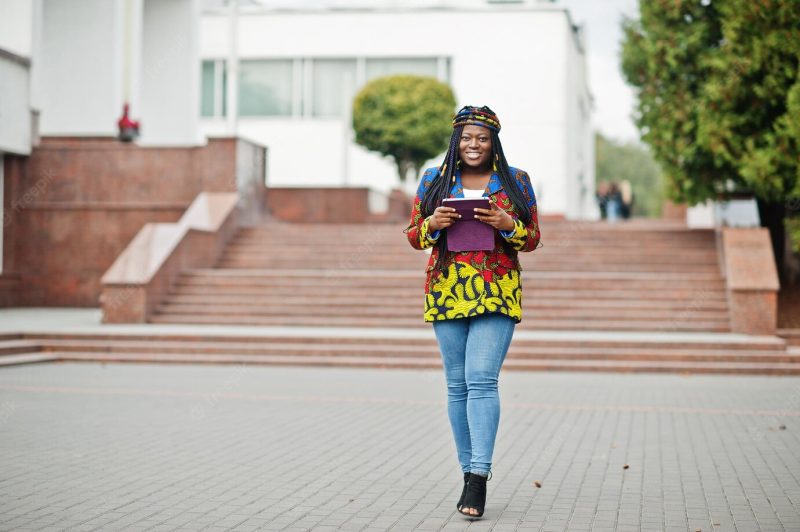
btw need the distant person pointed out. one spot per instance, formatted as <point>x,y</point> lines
<point>603,188</point>
<point>626,199</point>
<point>613,203</point>
<point>473,298</point>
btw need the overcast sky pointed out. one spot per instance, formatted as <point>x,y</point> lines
<point>613,98</point>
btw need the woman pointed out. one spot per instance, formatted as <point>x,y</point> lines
<point>473,298</point>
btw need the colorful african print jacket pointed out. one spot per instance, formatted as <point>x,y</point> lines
<point>476,282</point>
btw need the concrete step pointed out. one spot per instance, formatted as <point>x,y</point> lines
<point>589,240</point>
<point>400,349</point>
<point>792,336</point>
<point>297,274</point>
<point>538,267</point>
<point>15,350</point>
<point>16,346</point>
<point>403,299</point>
<point>299,234</point>
<point>749,368</point>
<point>406,283</point>
<point>334,247</point>
<point>682,297</point>
<point>419,338</point>
<point>362,308</point>
<point>27,358</point>
<point>684,323</point>
<point>389,261</point>
<point>261,249</point>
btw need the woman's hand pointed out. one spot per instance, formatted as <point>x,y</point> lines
<point>496,217</point>
<point>442,218</point>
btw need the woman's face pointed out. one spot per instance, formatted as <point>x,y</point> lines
<point>475,148</point>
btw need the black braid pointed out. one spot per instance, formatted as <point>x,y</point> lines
<point>439,189</point>
<point>508,181</point>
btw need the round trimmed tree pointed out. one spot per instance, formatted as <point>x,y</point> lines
<point>408,118</point>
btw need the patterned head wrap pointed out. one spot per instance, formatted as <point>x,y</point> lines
<point>479,116</point>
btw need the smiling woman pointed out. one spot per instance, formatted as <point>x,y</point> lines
<point>474,297</point>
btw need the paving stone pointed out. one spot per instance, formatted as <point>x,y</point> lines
<point>116,447</point>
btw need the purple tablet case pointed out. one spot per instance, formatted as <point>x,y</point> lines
<point>469,234</point>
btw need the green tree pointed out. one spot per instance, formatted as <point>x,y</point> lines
<point>407,118</point>
<point>719,98</point>
<point>664,55</point>
<point>615,161</point>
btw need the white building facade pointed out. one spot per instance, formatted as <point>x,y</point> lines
<point>86,58</point>
<point>291,74</point>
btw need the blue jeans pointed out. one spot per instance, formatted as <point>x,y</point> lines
<point>473,350</point>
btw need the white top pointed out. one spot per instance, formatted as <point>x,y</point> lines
<point>473,192</point>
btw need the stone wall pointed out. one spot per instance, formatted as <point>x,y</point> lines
<point>76,203</point>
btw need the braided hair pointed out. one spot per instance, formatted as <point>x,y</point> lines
<point>439,189</point>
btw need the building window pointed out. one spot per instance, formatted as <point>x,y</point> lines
<point>427,66</point>
<point>304,87</point>
<point>266,87</point>
<point>213,88</point>
<point>334,80</point>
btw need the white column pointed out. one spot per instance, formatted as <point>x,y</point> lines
<point>170,74</point>
<point>131,37</point>
<point>15,111</point>
<point>78,77</point>
<point>232,70</point>
<point>16,26</point>
<point>37,21</point>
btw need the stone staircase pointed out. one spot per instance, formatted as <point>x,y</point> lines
<point>640,296</point>
<point>644,277</point>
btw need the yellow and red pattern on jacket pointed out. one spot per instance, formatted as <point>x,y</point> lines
<point>476,282</point>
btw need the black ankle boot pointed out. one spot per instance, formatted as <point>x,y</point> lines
<point>475,497</point>
<point>463,492</point>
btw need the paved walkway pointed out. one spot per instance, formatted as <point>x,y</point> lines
<point>185,447</point>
